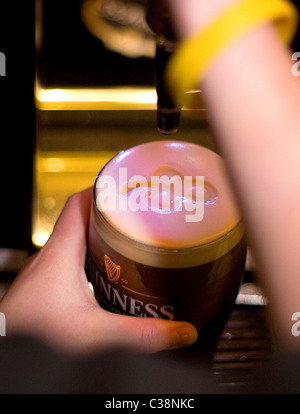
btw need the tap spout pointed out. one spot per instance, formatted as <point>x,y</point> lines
<point>160,22</point>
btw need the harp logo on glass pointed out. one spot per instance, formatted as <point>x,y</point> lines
<point>2,64</point>
<point>162,194</point>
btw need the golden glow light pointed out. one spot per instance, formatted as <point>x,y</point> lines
<point>39,239</point>
<point>58,175</point>
<point>96,99</point>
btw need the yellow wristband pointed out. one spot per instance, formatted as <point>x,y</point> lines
<point>193,56</point>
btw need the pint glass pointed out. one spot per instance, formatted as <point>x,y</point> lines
<point>166,239</point>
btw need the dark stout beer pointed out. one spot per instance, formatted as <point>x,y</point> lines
<point>167,259</point>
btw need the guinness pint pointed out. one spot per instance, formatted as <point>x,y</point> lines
<point>166,238</point>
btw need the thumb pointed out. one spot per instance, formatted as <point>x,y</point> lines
<point>69,237</point>
<point>153,335</point>
<point>147,335</point>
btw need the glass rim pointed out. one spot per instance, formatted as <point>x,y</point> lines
<point>163,255</point>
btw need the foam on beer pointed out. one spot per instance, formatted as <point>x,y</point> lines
<point>158,226</point>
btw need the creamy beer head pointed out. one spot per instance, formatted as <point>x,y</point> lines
<point>167,194</point>
<point>165,237</point>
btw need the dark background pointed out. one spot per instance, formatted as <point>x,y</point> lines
<point>70,56</point>
<point>16,121</point>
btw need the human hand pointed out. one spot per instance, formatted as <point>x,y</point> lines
<point>51,298</point>
<point>191,16</point>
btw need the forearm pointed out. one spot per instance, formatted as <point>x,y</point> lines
<point>254,105</point>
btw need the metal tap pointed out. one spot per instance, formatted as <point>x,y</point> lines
<point>160,22</point>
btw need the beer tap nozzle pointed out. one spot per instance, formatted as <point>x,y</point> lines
<point>160,22</point>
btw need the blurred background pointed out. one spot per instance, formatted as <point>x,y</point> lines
<point>94,96</point>
<point>79,87</point>
<point>89,93</point>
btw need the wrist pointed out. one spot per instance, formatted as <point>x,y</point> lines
<point>195,54</point>
<point>191,16</point>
